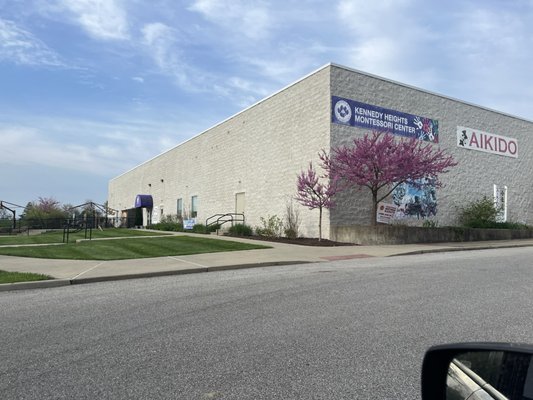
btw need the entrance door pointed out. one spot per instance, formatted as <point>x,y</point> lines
<point>239,203</point>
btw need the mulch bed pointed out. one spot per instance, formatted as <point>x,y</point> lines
<point>300,241</point>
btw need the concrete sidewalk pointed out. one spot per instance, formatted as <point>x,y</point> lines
<point>69,272</point>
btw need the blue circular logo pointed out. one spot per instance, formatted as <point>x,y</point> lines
<point>343,113</point>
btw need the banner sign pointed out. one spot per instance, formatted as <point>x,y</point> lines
<point>354,113</point>
<point>487,142</point>
<point>500,202</point>
<point>188,224</point>
<point>385,212</point>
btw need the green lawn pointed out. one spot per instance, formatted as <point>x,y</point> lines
<point>57,236</point>
<point>12,277</point>
<point>121,249</point>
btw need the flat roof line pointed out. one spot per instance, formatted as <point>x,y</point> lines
<point>330,64</point>
<point>429,92</point>
<point>227,119</point>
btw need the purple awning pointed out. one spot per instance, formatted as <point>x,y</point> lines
<point>144,200</point>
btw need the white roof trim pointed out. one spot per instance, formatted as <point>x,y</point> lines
<point>307,76</point>
<point>429,92</point>
<point>227,119</point>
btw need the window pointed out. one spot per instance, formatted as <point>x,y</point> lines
<point>194,206</point>
<point>179,209</point>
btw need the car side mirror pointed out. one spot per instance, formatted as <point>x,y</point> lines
<point>478,371</point>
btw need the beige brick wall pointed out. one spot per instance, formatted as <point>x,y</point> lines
<point>476,173</point>
<point>259,151</point>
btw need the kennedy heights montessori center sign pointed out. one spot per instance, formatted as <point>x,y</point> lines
<point>487,142</point>
<point>354,113</point>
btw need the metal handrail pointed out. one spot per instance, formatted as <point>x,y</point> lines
<point>220,221</point>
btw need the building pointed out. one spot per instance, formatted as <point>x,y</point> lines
<point>249,162</point>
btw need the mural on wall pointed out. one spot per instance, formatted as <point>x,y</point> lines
<point>354,113</point>
<point>415,199</point>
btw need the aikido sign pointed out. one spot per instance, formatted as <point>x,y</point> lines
<point>487,142</point>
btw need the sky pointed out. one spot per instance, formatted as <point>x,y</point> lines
<point>92,88</point>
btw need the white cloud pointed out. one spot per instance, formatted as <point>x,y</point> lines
<point>476,52</point>
<point>377,55</point>
<point>388,39</point>
<point>247,86</point>
<point>138,79</point>
<point>165,46</point>
<point>101,19</point>
<point>488,49</point>
<point>27,145</point>
<point>249,18</point>
<point>55,143</point>
<point>169,48</point>
<point>273,44</point>
<point>161,43</point>
<point>22,47</point>
<point>289,62</point>
<point>240,91</point>
<point>382,17</point>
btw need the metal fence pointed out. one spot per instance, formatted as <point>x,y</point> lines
<point>20,226</point>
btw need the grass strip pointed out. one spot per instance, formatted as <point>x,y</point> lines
<point>12,277</point>
<point>122,249</point>
<point>57,236</point>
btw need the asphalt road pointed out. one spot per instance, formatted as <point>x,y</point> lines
<point>353,329</point>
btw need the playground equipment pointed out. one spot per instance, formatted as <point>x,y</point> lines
<point>11,210</point>
<point>89,218</point>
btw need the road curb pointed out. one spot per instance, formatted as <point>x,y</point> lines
<point>4,287</point>
<point>156,274</point>
<point>450,249</point>
<point>66,282</point>
<point>257,265</point>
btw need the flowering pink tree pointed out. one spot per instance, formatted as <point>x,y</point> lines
<point>314,194</point>
<point>381,162</point>
<point>46,212</point>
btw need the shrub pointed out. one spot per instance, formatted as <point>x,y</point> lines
<point>513,225</point>
<point>240,230</point>
<point>170,219</point>
<point>199,228</point>
<point>497,225</point>
<point>213,228</point>
<point>169,223</point>
<point>290,233</point>
<point>166,226</point>
<point>292,220</point>
<point>430,223</point>
<point>483,214</point>
<point>6,223</point>
<point>479,214</point>
<point>272,226</point>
